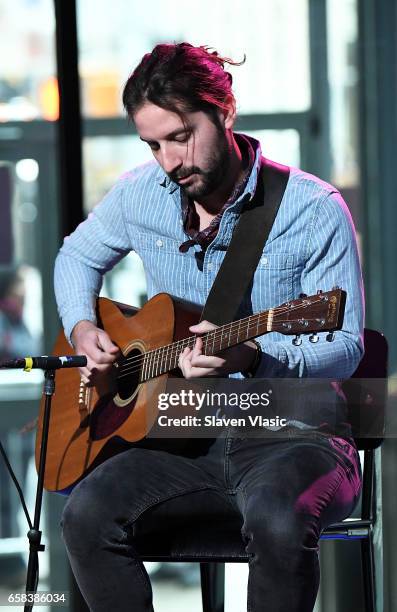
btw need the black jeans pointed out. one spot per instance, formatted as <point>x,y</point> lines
<point>284,491</point>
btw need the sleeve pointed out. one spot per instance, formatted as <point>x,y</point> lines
<point>332,260</point>
<point>92,249</point>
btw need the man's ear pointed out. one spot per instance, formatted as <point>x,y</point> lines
<point>229,112</point>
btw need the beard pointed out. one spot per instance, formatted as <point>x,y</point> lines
<point>209,177</point>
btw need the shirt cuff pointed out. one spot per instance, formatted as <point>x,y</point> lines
<point>69,321</point>
<point>274,362</point>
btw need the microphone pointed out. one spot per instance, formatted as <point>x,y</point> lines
<point>46,362</point>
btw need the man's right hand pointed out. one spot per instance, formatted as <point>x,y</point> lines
<point>96,344</point>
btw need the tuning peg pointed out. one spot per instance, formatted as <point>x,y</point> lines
<point>319,292</point>
<point>335,288</point>
<point>330,337</point>
<point>297,341</point>
<point>313,338</point>
<point>302,295</point>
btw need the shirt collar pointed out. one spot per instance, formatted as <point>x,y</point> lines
<point>250,187</point>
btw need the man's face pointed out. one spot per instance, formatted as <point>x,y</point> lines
<point>195,153</point>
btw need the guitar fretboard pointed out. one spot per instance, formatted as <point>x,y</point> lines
<point>164,359</point>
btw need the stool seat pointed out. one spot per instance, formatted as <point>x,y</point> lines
<point>223,543</point>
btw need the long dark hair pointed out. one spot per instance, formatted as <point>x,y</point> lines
<point>181,78</point>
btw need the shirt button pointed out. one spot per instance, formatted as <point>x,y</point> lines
<point>159,243</point>
<point>264,261</point>
<point>210,266</point>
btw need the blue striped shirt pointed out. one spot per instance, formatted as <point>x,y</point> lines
<point>311,246</point>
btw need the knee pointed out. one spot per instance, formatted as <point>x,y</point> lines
<point>285,533</point>
<point>82,520</point>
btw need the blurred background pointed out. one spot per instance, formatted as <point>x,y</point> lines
<point>318,89</point>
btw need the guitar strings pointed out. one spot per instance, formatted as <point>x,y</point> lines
<point>126,370</point>
<point>174,348</point>
<point>170,351</point>
<point>234,324</point>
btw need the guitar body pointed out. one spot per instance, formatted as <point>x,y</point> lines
<point>86,422</point>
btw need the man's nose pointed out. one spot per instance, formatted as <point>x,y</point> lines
<point>170,160</point>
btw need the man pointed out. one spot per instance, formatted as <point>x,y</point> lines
<point>178,213</point>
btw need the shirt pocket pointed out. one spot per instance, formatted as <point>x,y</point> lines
<point>273,280</point>
<point>156,244</point>
<point>165,266</point>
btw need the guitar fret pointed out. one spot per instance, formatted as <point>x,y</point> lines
<point>269,324</point>
<point>151,366</point>
<point>238,329</point>
<point>164,360</point>
<point>176,353</point>
<point>173,358</point>
<point>176,356</point>
<point>157,362</point>
<point>213,342</point>
<point>147,367</point>
<point>170,363</point>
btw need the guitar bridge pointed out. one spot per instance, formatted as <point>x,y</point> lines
<point>84,397</point>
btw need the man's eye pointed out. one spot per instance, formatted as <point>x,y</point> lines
<point>183,137</point>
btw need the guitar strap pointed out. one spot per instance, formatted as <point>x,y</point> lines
<point>246,246</point>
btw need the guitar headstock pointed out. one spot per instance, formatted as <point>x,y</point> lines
<point>309,314</point>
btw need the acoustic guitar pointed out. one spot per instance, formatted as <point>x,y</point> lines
<point>87,422</point>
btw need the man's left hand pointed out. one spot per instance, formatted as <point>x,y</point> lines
<point>194,363</point>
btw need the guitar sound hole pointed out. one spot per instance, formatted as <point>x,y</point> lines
<point>128,374</point>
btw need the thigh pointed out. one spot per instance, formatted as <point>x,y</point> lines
<point>127,485</point>
<point>297,477</point>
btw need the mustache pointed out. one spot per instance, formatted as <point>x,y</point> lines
<point>183,173</point>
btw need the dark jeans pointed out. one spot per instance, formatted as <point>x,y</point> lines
<point>284,491</point>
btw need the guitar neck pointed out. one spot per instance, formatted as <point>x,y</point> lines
<point>164,359</point>
<point>308,314</point>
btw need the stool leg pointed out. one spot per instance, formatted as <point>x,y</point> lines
<point>368,570</point>
<point>213,586</point>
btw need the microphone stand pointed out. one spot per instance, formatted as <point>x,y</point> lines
<point>48,363</point>
<point>34,534</point>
